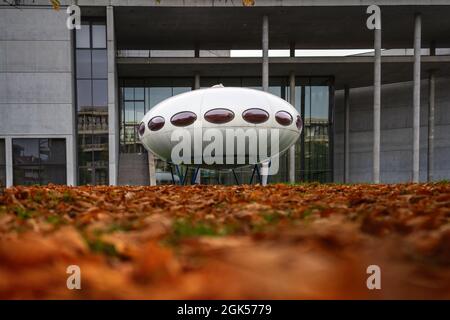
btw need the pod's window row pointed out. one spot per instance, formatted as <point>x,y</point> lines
<point>220,116</point>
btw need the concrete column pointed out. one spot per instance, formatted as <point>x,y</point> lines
<point>113,108</point>
<point>265,81</point>
<point>377,106</point>
<point>196,87</point>
<point>416,97</point>
<point>431,111</point>
<point>347,134</point>
<point>292,149</point>
<point>151,168</point>
<point>292,49</point>
<point>433,48</point>
<point>197,81</point>
<point>70,156</point>
<point>265,48</point>
<point>197,51</point>
<point>9,161</point>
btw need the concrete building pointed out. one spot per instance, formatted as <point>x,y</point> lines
<point>70,101</point>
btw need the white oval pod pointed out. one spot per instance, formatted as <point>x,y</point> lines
<point>220,127</point>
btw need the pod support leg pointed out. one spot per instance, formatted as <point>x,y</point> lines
<point>235,177</point>
<point>171,173</point>
<point>256,169</point>
<point>194,176</point>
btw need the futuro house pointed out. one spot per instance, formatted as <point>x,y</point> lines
<point>221,108</point>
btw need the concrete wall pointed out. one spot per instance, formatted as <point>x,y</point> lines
<point>396,132</point>
<point>36,93</point>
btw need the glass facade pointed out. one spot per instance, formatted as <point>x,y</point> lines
<point>39,161</point>
<point>313,101</point>
<point>137,98</point>
<point>2,163</point>
<point>92,103</point>
<point>316,160</point>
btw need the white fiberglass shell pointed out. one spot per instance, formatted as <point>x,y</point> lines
<point>237,100</point>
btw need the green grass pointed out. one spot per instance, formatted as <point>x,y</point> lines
<point>183,228</point>
<point>23,213</point>
<point>99,246</point>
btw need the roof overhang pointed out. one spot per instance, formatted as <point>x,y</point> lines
<point>353,71</point>
<point>309,27</point>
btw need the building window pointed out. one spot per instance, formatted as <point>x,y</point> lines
<point>92,103</point>
<point>2,163</point>
<point>316,151</point>
<point>39,161</point>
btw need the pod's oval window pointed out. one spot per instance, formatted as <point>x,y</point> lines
<point>299,123</point>
<point>141,129</point>
<point>184,118</point>
<point>156,123</point>
<point>255,115</point>
<point>219,115</point>
<point>283,117</point>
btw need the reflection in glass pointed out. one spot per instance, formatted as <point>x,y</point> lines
<point>26,151</point>
<point>129,112</point>
<point>83,64</point>
<point>92,103</point>
<point>139,94</point>
<point>99,36</point>
<point>83,39</point>
<point>179,90</point>
<point>84,94</point>
<point>99,64</point>
<point>139,109</point>
<point>128,93</point>
<point>316,134</point>
<point>39,161</point>
<point>100,93</point>
<point>159,94</point>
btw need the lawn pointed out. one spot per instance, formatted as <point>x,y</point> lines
<point>198,242</point>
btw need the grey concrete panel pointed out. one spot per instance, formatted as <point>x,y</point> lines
<point>442,159</point>
<point>36,56</point>
<point>398,160</point>
<point>361,142</point>
<point>361,120</point>
<point>33,24</point>
<point>361,161</point>
<point>396,176</point>
<point>37,88</point>
<point>3,88</point>
<point>442,136</point>
<point>35,119</point>
<point>396,133</point>
<point>2,56</point>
